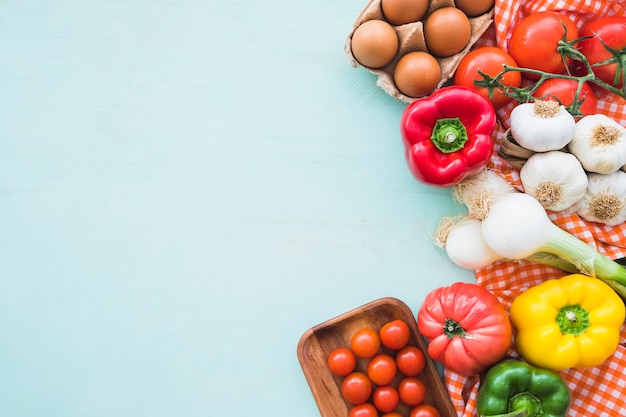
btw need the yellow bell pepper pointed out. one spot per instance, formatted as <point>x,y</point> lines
<point>570,322</point>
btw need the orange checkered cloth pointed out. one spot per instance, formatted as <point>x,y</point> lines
<point>599,391</point>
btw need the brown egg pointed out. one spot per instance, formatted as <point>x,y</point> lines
<point>474,8</point>
<point>447,31</point>
<point>400,12</point>
<point>374,43</point>
<point>417,74</point>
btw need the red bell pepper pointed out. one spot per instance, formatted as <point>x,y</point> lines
<point>447,135</point>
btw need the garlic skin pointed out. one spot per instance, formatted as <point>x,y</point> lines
<point>599,143</point>
<point>605,199</point>
<point>542,126</point>
<point>556,179</point>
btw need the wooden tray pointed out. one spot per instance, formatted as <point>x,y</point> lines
<point>318,342</point>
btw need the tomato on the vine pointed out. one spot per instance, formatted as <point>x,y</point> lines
<point>489,60</point>
<point>564,91</point>
<point>610,30</point>
<point>382,369</point>
<point>535,38</point>
<point>395,335</point>
<point>386,398</point>
<point>363,410</point>
<point>424,410</point>
<point>412,391</point>
<point>356,388</point>
<point>365,343</point>
<point>341,361</point>
<point>410,360</point>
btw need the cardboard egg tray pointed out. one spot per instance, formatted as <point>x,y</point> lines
<point>411,38</point>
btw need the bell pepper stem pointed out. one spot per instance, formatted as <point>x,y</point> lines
<point>517,413</point>
<point>449,135</point>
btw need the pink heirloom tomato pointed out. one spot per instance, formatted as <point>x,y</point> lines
<point>468,329</point>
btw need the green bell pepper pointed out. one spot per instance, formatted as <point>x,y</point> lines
<point>513,388</point>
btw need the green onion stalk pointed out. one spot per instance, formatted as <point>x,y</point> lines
<point>518,227</point>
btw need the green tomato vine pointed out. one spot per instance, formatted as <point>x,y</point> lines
<point>567,49</point>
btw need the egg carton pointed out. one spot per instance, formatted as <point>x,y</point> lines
<point>411,38</point>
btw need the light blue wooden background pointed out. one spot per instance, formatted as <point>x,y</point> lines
<point>185,188</point>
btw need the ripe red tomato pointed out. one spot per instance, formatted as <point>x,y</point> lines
<point>386,398</point>
<point>395,335</point>
<point>356,388</point>
<point>382,369</point>
<point>392,414</point>
<point>489,60</point>
<point>365,343</point>
<point>564,92</point>
<point>534,41</point>
<point>612,31</point>
<point>467,327</point>
<point>424,410</point>
<point>341,361</point>
<point>412,391</point>
<point>363,410</point>
<point>410,360</point>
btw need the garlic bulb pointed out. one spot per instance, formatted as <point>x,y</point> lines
<point>556,179</point>
<point>542,125</point>
<point>599,143</point>
<point>605,199</point>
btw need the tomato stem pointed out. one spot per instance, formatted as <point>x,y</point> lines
<point>567,49</point>
<point>452,328</point>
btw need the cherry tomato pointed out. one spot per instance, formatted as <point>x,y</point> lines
<point>534,41</point>
<point>489,60</point>
<point>610,30</point>
<point>365,343</point>
<point>382,369</point>
<point>386,398</point>
<point>363,410</point>
<point>564,92</point>
<point>424,410</point>
<point>395,335</point>
<point>341,361</point>
<point>412,391</point>
<point>356,388</point>
<point>410,360</point>
<point>392,414</point>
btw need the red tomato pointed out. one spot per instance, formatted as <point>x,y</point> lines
<point>386,398</point>
<point>365,343</point>
<point>535,38</point>
<point>564,92</point>
<point>392,414</point>
<point>489,60</point>
<point>610,30</point>
<point>467,327</point>
<point>410,360</point>
<point>424,410</point>
<point>381,369</point>
<point>356,388</point>
<point>341,361</point>
<point>363,410</point>
<point>395,335</point>
<point>412,391</point>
